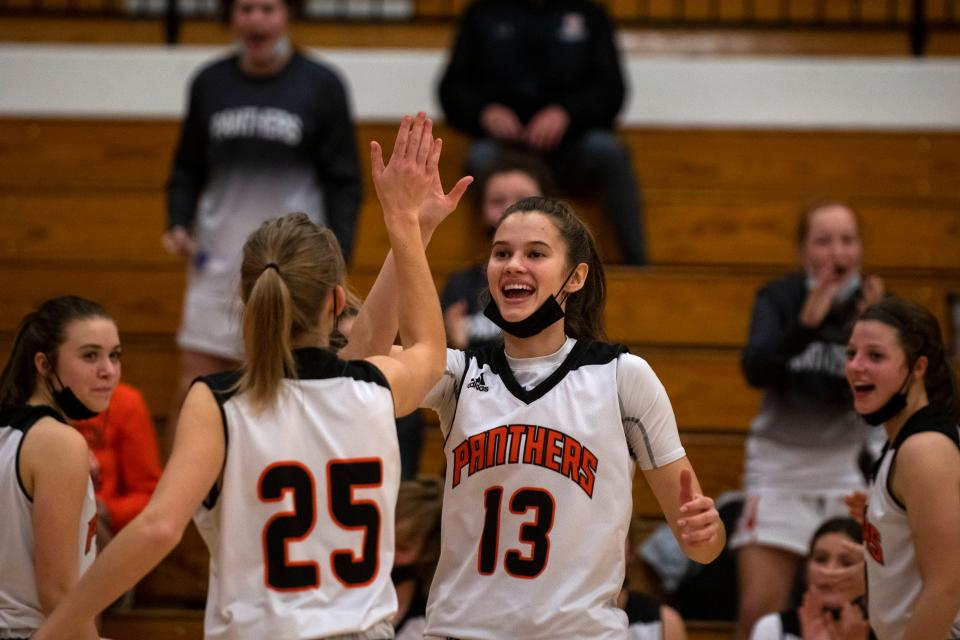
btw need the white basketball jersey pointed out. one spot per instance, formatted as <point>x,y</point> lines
<point>893,579</point>
<point>537,503</point>
<point>301,527</point>
<point>20,612</point>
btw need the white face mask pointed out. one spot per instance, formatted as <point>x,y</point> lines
<point>846,292</point>
<point>281,48</point>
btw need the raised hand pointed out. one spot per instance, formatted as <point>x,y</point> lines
<point>438,205</point>
<point>699,521</point>
<point>820,297</point>
<point>405,181</point>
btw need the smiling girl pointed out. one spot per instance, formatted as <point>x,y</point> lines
<point>898,369</point>
<point>542,434</point>
<point>65,363</point>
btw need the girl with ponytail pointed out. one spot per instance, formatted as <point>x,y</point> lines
<point>65,363</point>
<point>290,466</point>
<point>541,434</point>
<point>900,375</point>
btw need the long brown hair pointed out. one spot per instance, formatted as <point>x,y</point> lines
<point>290,266</point>
<point>918,333</point>
<point>41,331</point>
<point>584,312</point>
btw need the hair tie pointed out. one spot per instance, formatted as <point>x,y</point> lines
<point>272,265</point>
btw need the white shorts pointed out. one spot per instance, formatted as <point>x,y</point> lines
<point>212,318</point>
<point>786,519</point>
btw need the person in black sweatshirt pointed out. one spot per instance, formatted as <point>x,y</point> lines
<point>267,131</point>
<point>545,76</point>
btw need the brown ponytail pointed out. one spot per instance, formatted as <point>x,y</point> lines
<point>290,266</point>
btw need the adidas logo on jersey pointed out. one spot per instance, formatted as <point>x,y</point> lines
<point>478,384</point>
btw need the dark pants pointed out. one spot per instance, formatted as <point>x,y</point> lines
<point>595,162</point>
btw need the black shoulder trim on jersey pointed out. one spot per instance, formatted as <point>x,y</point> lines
<point>320,364</point>
<point>223,386</point>
<point>22,418</point>
<point>928,418</point>
<point>790,622</point>
<point>584,353</point>
<point>641,608</point>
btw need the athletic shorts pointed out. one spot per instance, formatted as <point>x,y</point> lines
<point>212,320</point>
<point>786,519</point>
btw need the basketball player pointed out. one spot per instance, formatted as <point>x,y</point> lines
<point>65,363</point>
<point>900,375</point>
<point>300,448</point>
<point>542,433</point>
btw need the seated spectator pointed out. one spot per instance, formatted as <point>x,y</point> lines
<point>512,177</point>
<point>833,592</point>
<point>125,462</point>
<point>546,77</point>
<point>647,617</point>
<point>417,551</point>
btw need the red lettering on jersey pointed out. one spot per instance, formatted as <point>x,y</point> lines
<point>516,437</point>
<point>541,446</point>
<point>551,460</point>
<point>91,534</point>
<point>533,445</point>
<point>496,446</point>
<point>476,452</point>
<point>588,471</point>
<point>570,466</point>
<point>871,540</point>
<point>461,455</point>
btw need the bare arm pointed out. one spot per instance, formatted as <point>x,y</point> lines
<point>55,463</point>
<point>194,465</point>
<point>402,186</point>
<point>376,325</point>
<point>927,477</point>
<point>691,515</point>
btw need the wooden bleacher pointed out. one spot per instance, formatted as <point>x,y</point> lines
<point>82,205</point>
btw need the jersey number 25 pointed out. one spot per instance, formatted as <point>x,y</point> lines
<point>343,476</point>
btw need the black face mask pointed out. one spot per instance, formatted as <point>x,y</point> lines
<point>893,406</point>
<point>69,403</point>
<point>545,315</point>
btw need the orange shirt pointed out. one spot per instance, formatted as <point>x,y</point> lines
<point>127,465</point>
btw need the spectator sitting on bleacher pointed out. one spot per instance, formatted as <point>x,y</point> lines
<point>546,77</point>
<point>802,451</point>
<point>833,593</point>
<point>512,177</point>
<point>268,130</point>
<point>125,463</point>
<point>647,617</point>
<point>417,551</point>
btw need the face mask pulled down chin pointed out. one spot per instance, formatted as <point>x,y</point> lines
<point>69,403</point>
<point>544,316</point>
<point>890,408</point>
